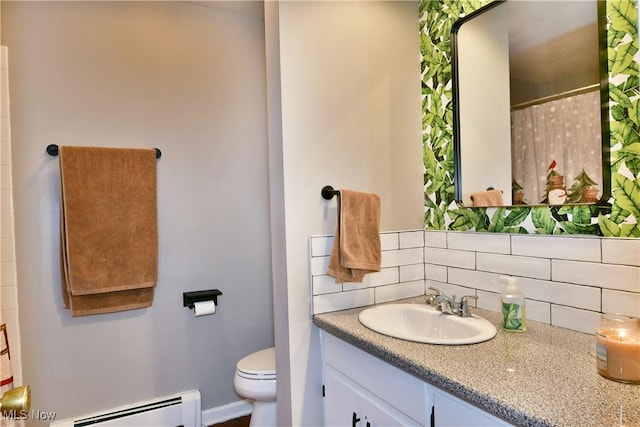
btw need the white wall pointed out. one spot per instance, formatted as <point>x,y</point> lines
<point>189,79</point>
<point>350,100</point>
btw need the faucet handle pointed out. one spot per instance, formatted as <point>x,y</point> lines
<point>432,297</point>
<point>464,305</point>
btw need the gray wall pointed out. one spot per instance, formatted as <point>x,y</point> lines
<point>186,78</point>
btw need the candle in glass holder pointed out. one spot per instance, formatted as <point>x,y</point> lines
<point>618,348</point>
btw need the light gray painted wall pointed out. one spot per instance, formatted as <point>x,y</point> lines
<point>350,102</point>
<point>189,80</point>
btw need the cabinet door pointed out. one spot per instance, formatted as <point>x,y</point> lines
<point>342,403</point>
<point>450,411</point>
<point>377,414</point>
<point>346,403</point>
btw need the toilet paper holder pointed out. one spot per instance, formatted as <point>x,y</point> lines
<point>190,298</point>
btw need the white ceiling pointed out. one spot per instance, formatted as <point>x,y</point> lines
<point>538,21</point>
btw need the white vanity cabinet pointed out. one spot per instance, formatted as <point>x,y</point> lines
<point>348,403</point>
<point>361,390</point>
<point>448,410</point>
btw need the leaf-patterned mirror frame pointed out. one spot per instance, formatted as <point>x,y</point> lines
<point>441,210</point>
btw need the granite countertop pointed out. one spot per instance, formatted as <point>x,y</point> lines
<point>543,377</point>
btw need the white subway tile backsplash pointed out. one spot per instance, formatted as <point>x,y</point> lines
<point>435,272</point>
<point>402,257</point>
<point>575,319</point>
<point>385,276</point>
<point>560,247</point>
<point>448,257</point>
<point>488,301</point>
<point>449,289</point>
<point>399,291</point>
<point>342,300</point>
<point>389,241</point>
<point>435,239</point>
<point>567,280</point>
<point>586,297</point>
<point>538,268</point>
<point>535,310</point>
<point>485,242</point>
<point>319,265</point>
<point>411,239</point>
<point>412,272</point>
<point>620,277</point>
<point>325,285</point>
<point>538,311</point>
<point>621,302</point>
<point>621,251</point>
<point>321,246</point>
<point>475,279</point>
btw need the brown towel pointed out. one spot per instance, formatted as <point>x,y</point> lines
<point>356,244</point>
<point>487,198</point>
<point>109,229</point>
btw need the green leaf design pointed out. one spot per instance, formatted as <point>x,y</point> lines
<point>436,20</point>
<point>581,215</point>
<point>627,193</point>
<point>623,62</point>
<point>630,155</point>
<point>517,216</point>
<point>511,316</point>
<point>497,221</point>
<point>543,221</point>
<point>609,228</point>
<point>622,16</point>
<point>573,228</point>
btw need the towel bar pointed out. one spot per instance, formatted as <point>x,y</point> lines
<point>328,192</point>
<point>52,150</point>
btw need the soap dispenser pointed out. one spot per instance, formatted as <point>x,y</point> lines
<point>513,307</point>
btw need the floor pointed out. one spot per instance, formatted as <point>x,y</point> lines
<point>238,422</point>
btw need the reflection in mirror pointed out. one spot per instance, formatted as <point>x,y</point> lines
<point>527,105</point>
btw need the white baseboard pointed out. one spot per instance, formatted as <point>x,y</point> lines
<point>226,412</point>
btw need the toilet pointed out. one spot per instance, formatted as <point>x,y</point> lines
<point>255,379</point>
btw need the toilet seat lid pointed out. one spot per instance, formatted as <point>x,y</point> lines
<point>260,363</point>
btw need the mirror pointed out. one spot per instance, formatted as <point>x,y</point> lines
<point>530,104</point>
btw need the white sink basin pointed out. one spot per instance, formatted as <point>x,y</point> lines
<point>422,323</point>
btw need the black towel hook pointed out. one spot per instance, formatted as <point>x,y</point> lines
<point>328,192</point>
<point>52,150</point>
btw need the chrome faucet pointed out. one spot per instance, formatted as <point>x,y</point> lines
<point>449,305</point>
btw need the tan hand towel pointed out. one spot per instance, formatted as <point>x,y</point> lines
<point>356,244</point>
<point>109,228</point>
<point>487,198</point>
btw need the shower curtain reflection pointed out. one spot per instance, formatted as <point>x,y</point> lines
<point>566,131</point>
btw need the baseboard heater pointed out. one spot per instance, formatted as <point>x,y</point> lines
<point>180,410</point>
